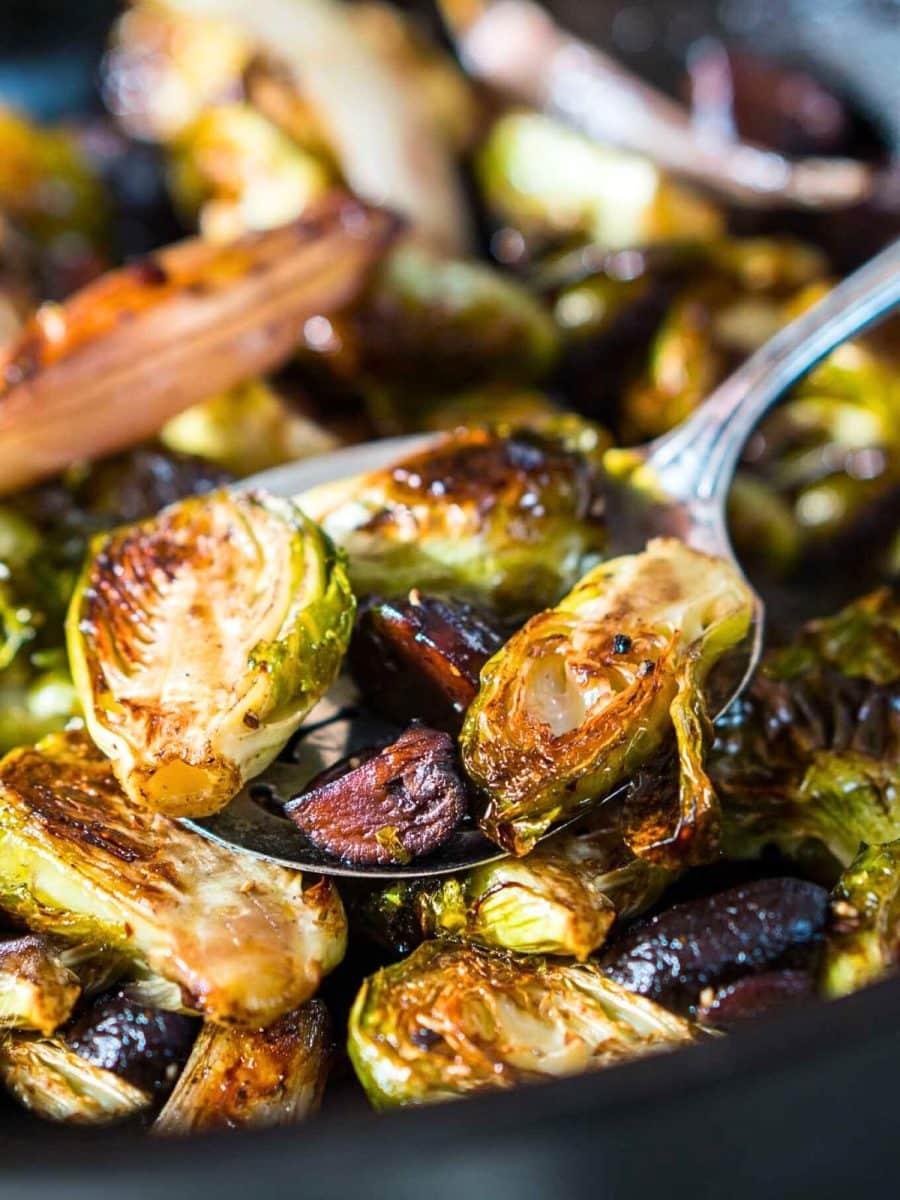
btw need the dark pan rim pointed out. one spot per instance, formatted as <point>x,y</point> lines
<point>822,1035</point>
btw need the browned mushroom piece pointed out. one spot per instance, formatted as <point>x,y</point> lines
<point>385,806</point>
<point>420,656</point>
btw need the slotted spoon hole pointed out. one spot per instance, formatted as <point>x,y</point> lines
<point>263,795</point>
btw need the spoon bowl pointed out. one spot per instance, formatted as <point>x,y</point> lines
<point>675,486</point>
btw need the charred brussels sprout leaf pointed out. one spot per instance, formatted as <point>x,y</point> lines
<point>52,1080</point>
<point>200,639</point>
<point>507,522</point>
<point>562,899</point>
<point>586,692</point>
<point>455,1019</point>
<point>810,755</point>
<point>863,943</point>
<point>252,1077</point>
<point>242,940</point>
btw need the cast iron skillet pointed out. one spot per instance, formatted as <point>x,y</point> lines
<point>802,1105</point>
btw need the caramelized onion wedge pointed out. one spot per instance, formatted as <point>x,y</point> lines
<point>113,363</point>
<point>252,1077</point>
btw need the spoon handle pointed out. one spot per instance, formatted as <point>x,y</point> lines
<point>517,47</point>
<point>697,460</point>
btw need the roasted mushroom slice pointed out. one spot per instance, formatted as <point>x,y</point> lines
<point>244,940</point>
<point>199,640</point>
<point>419,656</point>
<point>562,898</point>
<point>386,806</point>
<point>252,1077</point>
<point>863,941</point>
<point>145,1046</point>
<point>755,996</point>
<point>673,956</point>
<point>586,692</point>
<point>454,1019</point>
<point>509,522</point>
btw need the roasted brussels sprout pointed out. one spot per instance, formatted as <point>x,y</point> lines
<point>586,692</point>
<point>37,990</point>
<point>550,184</point>
<point>863,942</point>
<point>673,956</point>
<point>561,899</point>
<point>505,521</point>
<point>249,429</point>
<point>454,1019</point>
<point>419,656</point>
<point>388,806</point>
<point>52,1080</point>
<point>811,753</point>
<point>252,1077</point>
<point>258,604</point>
<point>244,940</point>
<point>234,171</point>
<point>49,189</point>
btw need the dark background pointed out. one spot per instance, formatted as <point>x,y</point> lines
<point>802,1106</point>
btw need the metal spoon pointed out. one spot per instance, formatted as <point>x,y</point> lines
<point>517,47</point>
<point>690,470</point>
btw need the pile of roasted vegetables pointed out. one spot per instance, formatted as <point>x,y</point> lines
<point>164,635</point>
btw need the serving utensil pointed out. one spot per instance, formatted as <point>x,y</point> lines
<point>517,47</point>
<point>676,485</point>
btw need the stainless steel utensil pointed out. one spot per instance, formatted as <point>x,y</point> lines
<point>688,472</point>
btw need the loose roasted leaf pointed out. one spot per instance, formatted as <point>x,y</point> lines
<point>454,1019</point>
<point>252,1078</point>
<point>53,1081</point>
<point>584,693</point>
<point>37,990</point>
<point>242,939</point>
<point>200,639</point>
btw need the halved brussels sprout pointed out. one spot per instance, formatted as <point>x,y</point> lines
<point>199,640</point>
<point>586,692</point>
<point>37,990</point>
<point>811,755</point>
<point>561,899</point>
<point>454,1019</point>
<point>249,429</point>
<point>52,1080</point>
<point>244,940</point>
<point>863,942</point>
<point>505,521</point>
<point>235,171</point>
<point>252,1077</point>
<point>549,182</point>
